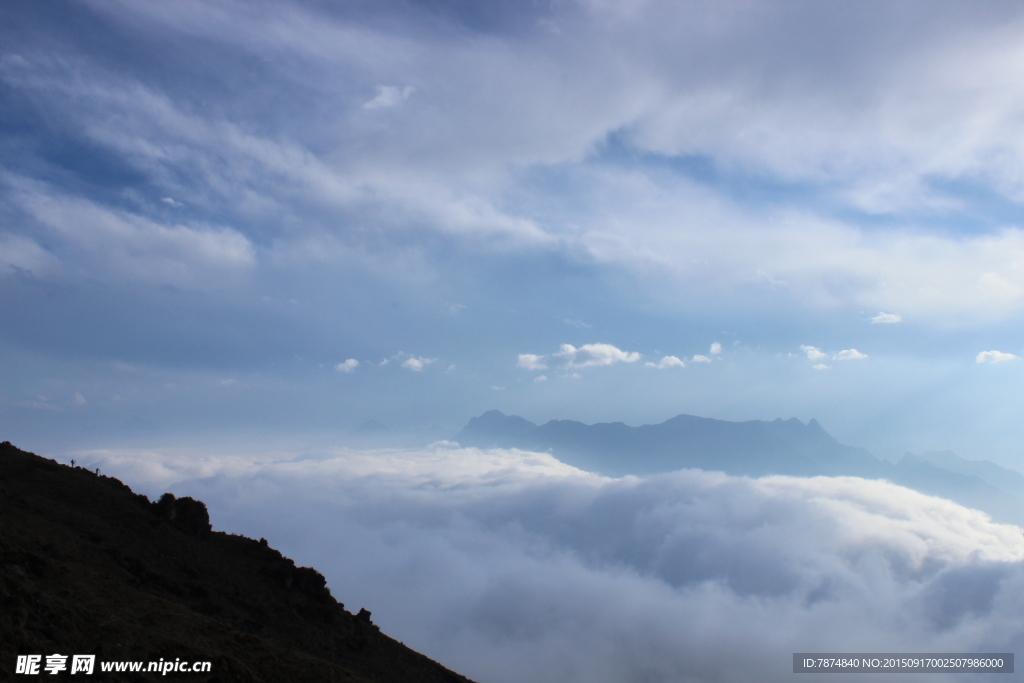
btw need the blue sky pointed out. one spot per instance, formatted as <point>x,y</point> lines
<point>284,219</point>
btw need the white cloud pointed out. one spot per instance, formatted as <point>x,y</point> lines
<point>577,323</point>
<point>590,355</point>
<point>417,363</point>
<point>347,366</point>
<point>716,349</point>
<point>822,366</point>
<point>701,358</point>
<point>530,361</point>
<point>115,244</point>
<point>502,564</point>
<point>497,388</point>
<point>813,352</point>
<point>389,96</point>
<point>849,354</point>
<point>586,356</point>
<point>540,378</point>
<point>411,362</point>
<point>78,399</point>
<point>994,357</point>
<point>21,255</point>
<point>872,121</point>
<point>172,202</point>
<point>667,362</point>
<point>887,318</point>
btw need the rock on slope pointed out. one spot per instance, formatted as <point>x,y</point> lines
<point>89,567</point>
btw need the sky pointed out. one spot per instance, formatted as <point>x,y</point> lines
<point>275,255</point>
<point>292,218</point>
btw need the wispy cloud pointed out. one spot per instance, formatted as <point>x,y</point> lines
<point>887,318</point>
<point>389,96</point>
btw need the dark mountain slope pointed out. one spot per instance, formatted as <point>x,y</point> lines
<point>88,567</point>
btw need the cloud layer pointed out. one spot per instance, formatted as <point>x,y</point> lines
<point>508,565</point>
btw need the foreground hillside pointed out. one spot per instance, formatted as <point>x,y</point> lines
<point>89,567</point>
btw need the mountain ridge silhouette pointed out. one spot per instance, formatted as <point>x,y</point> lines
<point>752,448</point>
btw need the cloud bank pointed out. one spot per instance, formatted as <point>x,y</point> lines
<point>511,566</point>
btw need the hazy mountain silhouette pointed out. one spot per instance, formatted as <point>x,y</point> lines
<point>88,567</point>
<point>754,448</point>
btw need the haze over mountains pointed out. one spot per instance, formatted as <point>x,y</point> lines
<point>753,448</point>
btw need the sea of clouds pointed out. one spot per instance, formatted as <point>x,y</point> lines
<point>509,566</point>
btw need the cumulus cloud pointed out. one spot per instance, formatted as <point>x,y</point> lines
<point>667,362</point>
<point>411,362</point>
<point>586,356</point>
<point>822,366</point>
<point>347,366</point>
<point>417,363</point>
<point>816,354</point>
<point>887,318</point>
<point>813,352</point>
<point>511,566</point>
<point>701,358</point>
<point>994,357</point>
<point>530,361</point>
<point>716,349</point>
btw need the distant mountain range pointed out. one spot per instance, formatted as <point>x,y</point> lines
<point>754,448</point>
